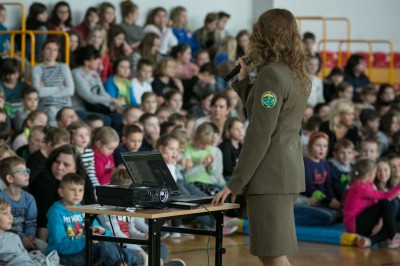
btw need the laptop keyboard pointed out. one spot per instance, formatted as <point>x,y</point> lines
<point>191,198</point>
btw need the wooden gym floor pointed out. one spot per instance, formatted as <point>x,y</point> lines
<point>192,249</point>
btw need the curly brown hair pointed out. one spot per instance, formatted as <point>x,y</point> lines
<point>276,39</point>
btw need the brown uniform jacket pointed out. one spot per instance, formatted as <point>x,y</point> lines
<point>271,160</point>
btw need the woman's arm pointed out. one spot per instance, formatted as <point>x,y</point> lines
<point>261,127</point>
<point>242,88</point>
<point>62,90</point>
<point>69,86</point>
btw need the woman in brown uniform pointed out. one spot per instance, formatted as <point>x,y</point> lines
<point>270,170</point>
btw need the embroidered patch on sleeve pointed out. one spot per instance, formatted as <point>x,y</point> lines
<point>268,99</point>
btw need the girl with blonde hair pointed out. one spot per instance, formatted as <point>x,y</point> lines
<point>180,28</point>
<point>341,124</point>
<point>98,38</point>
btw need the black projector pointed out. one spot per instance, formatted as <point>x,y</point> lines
<point>133,195</point>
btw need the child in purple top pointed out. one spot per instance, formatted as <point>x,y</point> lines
<point>367,211</point>
<point>318,205</point>
<point>317,172</point>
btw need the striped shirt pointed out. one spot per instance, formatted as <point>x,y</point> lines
<point>54,84</point>
<point>88,162</point>
<point>53,77</point>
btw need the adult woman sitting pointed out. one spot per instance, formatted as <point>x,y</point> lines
<point>340,125</point>
<point>220,109</point>
<point>63,160</point>
<point>90,94</point>
<point>53,81</point>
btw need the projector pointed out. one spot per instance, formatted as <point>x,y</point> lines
<point>133,195</point>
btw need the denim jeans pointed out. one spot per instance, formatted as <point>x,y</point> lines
<point>313,216</point>
<point>106,251</point>
<point>191,189</point>
<point>396,208</point>
<point>163,251</point>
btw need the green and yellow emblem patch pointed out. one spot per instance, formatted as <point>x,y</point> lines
<point>268,99</point>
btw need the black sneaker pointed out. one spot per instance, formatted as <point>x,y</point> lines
<point>175,262</point>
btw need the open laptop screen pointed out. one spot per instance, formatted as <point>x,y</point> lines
<point>149,168</point>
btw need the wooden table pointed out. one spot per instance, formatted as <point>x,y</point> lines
<point>156,218</point>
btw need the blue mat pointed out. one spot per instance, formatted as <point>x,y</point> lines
<point>334,234</point>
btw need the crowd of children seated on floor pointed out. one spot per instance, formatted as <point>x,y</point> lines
<point>133,88</point>
<point>127,88</point>
<point>351,138</point>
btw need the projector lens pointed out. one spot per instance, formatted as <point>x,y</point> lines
<point>164,195</point>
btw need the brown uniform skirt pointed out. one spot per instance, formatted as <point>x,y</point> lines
<point>271,224</point>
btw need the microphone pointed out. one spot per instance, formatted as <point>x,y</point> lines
<point>236,69</point>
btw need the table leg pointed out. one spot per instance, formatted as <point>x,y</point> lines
<point>88,240</point>
<point>219,250</point>
<point>154,241</point>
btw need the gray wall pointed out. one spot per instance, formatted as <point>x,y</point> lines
<point>371,19</point>
<point>241,11</point>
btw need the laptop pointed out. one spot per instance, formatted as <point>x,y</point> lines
<point>150,169</point>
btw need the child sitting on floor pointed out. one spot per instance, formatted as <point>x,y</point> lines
<point>364,207</point>
<point>66,230</point>
<point>15,175</point>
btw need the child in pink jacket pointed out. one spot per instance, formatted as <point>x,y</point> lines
<point>367,211</point>
<point>105,141</point>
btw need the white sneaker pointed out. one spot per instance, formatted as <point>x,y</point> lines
<point>363,242</point>
<point>226,231</point>
<point>175,262</point>
<point>231,222</point>
<point>394,242</point>
<point>164,235</point>
<point>175,235</point>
